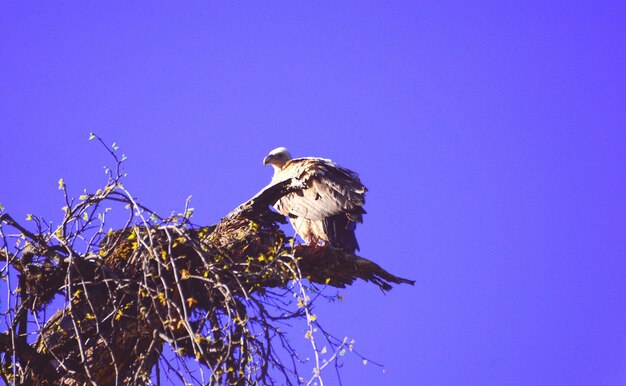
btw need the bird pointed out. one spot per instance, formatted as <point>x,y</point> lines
<point>327,205</point>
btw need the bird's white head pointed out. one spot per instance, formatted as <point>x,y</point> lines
<point>277,158</point>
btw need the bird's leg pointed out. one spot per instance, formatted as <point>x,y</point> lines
<point>318,246</point>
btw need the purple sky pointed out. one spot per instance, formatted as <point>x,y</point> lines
<point>492,137</point>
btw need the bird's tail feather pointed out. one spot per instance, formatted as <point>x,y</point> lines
<point>340,230</point>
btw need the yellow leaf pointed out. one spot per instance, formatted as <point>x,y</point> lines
<point>191,301</point>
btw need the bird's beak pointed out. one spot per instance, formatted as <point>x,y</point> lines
<point>267,160</point>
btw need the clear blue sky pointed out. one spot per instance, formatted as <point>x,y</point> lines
<point>492,137</point>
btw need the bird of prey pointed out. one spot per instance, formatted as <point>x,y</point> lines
<point>329,203</point>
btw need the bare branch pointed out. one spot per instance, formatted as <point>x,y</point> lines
<point>217,295</point>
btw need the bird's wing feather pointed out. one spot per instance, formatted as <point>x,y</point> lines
<point>328,189</point>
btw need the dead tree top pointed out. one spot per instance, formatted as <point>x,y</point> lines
<point>212,293</point>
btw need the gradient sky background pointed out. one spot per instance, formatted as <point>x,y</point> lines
<point>492,137</point>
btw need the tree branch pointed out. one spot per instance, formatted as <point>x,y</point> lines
<point>204,291</point>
